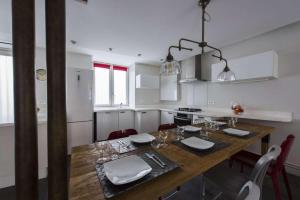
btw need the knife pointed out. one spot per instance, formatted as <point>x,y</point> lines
<point>154,160</point>
<point>158,159</point>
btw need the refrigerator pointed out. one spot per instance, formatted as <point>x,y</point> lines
<point>79,96</point>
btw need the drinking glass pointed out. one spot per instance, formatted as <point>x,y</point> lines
<point>106,152</point>
<point>156,143</point>
<point>164,135</point>
<point>180,133</point>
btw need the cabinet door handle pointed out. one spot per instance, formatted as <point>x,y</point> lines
<point>170,113</point>
<point>107,112</point>
<point>122,112</point>
<point>144,112</point>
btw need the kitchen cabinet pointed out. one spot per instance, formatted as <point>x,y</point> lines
<point>168,88</point>
<point>167,117</point>
<point>126,119</point>
<point>260,66</point>
<point>147,121</point>
<point>147,81</point>
<point>79,133</point>
<point>107,122</point>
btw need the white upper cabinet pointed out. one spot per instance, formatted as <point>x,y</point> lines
<point>168,88</point>
<point>255,67</point>
<point>147,81</point>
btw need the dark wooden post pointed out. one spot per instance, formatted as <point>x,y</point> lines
<point>56,86</point>
<point>26,151</point>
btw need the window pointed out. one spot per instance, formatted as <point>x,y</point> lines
<point>111,85</point>
<point>6,89</point>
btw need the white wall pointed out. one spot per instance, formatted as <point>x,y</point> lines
<point>280,94</point>
<point>146,96</point>
<point>7,133</point>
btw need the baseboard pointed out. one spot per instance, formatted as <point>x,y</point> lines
<point>293,169</point>
<point>7,181</point>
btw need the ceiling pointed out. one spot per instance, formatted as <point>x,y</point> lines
<point>131,27</point>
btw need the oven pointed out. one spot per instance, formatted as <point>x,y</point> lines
<point>185,117</point>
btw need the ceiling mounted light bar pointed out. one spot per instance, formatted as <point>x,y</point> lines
<point>171,66</point>
<point>226,74</point>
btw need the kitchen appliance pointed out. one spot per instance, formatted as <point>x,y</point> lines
<point>184,116</point>
<point>79,97</point>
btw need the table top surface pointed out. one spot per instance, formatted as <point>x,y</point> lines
<point>84,183</point>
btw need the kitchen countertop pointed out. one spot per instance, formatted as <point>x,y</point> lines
<point>276,116</point>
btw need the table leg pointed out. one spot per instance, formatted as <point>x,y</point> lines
<point>265,144</point>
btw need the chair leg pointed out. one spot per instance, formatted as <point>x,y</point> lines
<point>230,163</point>
<point>287,185</point>
<point>276,186</point>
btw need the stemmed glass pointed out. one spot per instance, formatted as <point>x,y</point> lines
<point>106,152</point>
<point>164,135</point>
<point>180,133</point>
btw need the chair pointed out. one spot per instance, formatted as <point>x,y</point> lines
<point>166,126</point>
<point>116,135</point>
<point>129,132</point>
<point>249,190</point>
<point>275,169</point>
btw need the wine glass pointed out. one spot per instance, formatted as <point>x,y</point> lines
<point>180,133</point>
<point>104,152</point>
<point>156,143</point>
<point>164,135</point>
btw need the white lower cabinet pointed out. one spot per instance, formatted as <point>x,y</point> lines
<point>167,117</point>
<point>79,133</point>
<point>147,121</point>
<point>108,122</point>
<point>126,119</point>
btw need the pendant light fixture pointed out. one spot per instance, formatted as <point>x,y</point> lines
<point>226,74</point>
<point>171,66</point>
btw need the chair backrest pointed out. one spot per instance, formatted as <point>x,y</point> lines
<point>116,135</point>
<point>262,165</point>
<point>166,126</point>
<point>129,132</point>
<point>250,191</point>
<point>285,149</point>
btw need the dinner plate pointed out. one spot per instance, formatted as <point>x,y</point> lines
<point>142,138</point>
<point>126,170</point>
<point>191,128</point>
<point>237,132</point>
<point>197,143</point>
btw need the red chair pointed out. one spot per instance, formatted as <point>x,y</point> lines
<point>166,126</point>
<point>129,132</point>
<point>116,135</point>
<point>275,169</point>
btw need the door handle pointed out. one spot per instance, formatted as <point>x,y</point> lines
<point>122,112</point>
<point>144,112</point>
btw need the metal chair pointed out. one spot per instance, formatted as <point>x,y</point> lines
<point>250,191</point>
<point>275,169</point>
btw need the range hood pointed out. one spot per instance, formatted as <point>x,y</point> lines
<point>192,69</point>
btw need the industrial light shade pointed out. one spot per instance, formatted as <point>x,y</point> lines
<point>226,75</point>
<point>170,66</point>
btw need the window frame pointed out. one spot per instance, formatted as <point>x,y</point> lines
<point>111,86</point>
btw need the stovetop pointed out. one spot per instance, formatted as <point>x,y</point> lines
<point>190,109</point>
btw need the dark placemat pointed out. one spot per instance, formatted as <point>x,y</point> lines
<point>110,190</point>
<point>219,145</point>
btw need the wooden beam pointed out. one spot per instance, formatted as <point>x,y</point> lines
<point>56,87</point>
<point>26,151</point>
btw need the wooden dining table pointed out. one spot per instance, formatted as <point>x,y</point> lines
<point>84,183</point>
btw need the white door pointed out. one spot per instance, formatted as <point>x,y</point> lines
<point>167,117</point>
<point>79,133</point>
<point>126,120</point>
<point>107,122</point>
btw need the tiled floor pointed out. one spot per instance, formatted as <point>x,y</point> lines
<point>190,190</point>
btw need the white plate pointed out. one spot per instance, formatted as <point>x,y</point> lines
<point>191,128</point>
<point>126,170</point>
<point>142,138</point>
<point>237,132</point>
<point>197,143</point>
